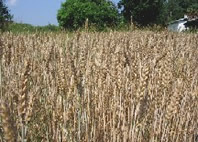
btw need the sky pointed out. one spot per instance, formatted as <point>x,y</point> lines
<point>35,12</point>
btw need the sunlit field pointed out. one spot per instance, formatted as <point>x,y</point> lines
<point>139,86</point>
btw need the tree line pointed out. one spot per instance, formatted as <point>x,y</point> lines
<point>5,15</point>
<point>104,13</point>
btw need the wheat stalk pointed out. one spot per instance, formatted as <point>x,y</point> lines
<point>7,122</point>
<point>1,55</point>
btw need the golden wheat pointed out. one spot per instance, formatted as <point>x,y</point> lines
<point>118,86</point>
<point>7,122</point>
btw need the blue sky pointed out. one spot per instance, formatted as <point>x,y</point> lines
<point>35,12</point>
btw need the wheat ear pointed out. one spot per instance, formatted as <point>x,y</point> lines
<point>142,96</point>
<point>23,96</point>
<point>23,100</point>
<point>173,107</point>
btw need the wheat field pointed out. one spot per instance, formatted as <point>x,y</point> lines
<point>139,86</point>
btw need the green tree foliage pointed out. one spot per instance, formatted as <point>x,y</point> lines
<point>193,10</point>
<point>100,13</point>
<point>143,12</point>
<point>5,15</point>
<point>171,10</point>
<point>175,9</point>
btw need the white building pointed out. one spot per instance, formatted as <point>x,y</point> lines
<point>183,24</point>
<point>178,25</point>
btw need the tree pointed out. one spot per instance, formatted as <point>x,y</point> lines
<point>175,9</point>
<point>100,13</point>
<point>143,12</point>
<point>193,10</point>
<point>5,15</point>
<point>172,11</point>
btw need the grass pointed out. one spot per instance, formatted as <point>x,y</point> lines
<point>138,86</point>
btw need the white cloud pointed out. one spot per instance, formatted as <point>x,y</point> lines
<point>12,2</point>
